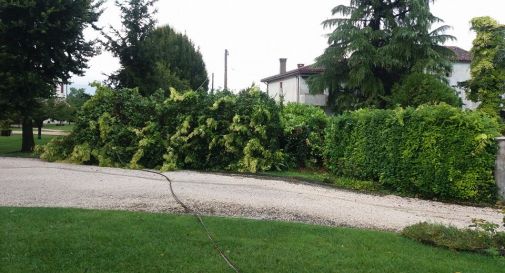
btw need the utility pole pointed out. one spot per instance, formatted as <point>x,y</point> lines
<point>226,53</point>
<point>212,88</point>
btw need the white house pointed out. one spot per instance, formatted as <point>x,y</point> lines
<point>292,85</point>
<point>60,91</point>
<point>461,73</point>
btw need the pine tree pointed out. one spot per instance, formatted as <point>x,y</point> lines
<point>137,19</point>
<point>375,44</point>
<point>175,62</point>
<point>152,58</point>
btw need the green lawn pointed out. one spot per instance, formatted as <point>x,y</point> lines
<point>11,146</point>
<point>71,240</point>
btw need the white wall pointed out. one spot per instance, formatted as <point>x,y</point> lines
<point>290,87</point>
<point>288,90</point>
<point>461,73</point>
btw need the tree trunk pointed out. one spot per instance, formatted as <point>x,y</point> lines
<point>39,127</point>
<point>28,141</point>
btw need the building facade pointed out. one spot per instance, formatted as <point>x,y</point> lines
<point>291,86</point>
<point>461,73</point>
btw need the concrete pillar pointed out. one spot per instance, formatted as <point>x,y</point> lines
<point>500,167</point>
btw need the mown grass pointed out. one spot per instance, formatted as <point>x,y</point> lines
<point>328,179</point>
<point>71,240</point>
<point>11,146</point>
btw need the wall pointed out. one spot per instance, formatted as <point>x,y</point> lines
<point>290,90</point>
<point>500,167</point>
<point>289,87</point>
<point>307,98</point>
<point>461,73</point>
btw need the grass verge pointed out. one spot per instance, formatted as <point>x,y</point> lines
<point>328,179</point>
<point>71,240</point>
<point>370,187</point>
<point>11,146</point>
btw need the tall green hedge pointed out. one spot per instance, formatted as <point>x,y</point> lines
<point>432,151</point>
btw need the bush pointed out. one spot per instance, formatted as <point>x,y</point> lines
<point>303,140</point>
<point>476,240</point>
<point>449,237</point>
<point>190,130</point>
<point>433,151</point>
<point>419,88</point>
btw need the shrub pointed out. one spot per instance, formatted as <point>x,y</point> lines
<point>449,237</point>
<point>59,148</point>
<point>481,239</point>
<point>433,151</point>
<point>420,88</point>
<point>303,140</point>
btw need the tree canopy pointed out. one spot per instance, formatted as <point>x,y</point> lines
<point>42,44</point>
<point>375,44</point>
<point>487,84</point>
<point>174,62</point>
<point>137,20</point>
<point>150,57</point>
<point>77,97</point>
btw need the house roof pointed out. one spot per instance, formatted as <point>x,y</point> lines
<point>302,71</point>
<point>462,55</point>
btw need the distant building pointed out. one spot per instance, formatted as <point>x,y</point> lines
<point>60,91</point>
<point>292,85</point>
<point>461,73</point>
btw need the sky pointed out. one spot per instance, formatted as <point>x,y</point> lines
<point>258,33</point>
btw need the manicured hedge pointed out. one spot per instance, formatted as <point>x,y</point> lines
<point>433,151</point>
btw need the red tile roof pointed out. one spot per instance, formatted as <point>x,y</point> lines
<point>462,55</point>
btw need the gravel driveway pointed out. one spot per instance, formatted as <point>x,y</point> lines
<point>33,183</point>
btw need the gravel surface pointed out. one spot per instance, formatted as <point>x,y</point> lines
<point>34,183</point>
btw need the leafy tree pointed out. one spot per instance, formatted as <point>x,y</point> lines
<point>487,84</point>
<point>55,109</point>
<point>419,88</point>
<point>174,62</point>
<point>137,19</point>
<point>374,45</point>
<point>62,111</point>
<point>77,97</point>
<point>153,58</point>
<point>42,44</point>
